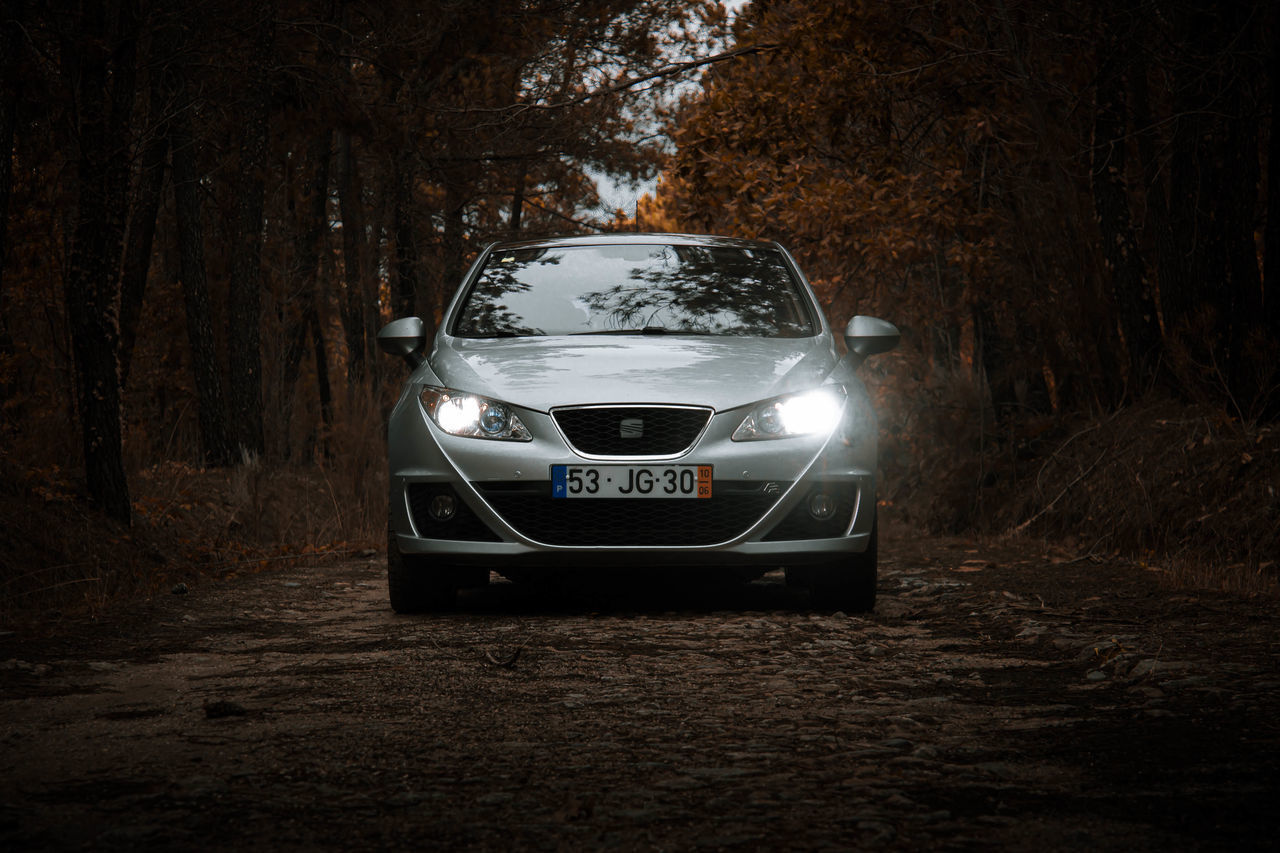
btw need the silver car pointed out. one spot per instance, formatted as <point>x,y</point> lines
<point>633,402</point>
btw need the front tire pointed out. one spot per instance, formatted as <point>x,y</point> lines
<point>414,585</point>
<point>847,583</point>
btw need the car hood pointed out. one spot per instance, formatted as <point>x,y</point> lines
<point>721,372</point>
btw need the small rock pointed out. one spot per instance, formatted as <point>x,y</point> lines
<point>1147,691</point>
<point>1097,648</point>
<point>223,708</point>
<point>404,799</point>
<point>1096,675</point>
<point>998,769</point>
<point>179,589</point>
<point>884,832</point>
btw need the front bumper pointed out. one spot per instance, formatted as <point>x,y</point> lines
<point>757,515</point>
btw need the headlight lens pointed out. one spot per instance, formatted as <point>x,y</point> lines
<point>460,413</point>
<point>807,413</point>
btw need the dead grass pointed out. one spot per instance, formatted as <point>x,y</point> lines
<point>60,556</point>
<point>1189,491</point>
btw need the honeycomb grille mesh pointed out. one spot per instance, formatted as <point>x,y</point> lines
<point>630,431</point>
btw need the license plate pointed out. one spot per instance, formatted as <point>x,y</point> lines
<point>630,481</point>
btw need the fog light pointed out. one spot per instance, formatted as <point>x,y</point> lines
<point>822,506</point>
<point>443,507</point>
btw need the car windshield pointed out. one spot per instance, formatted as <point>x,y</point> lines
<point>635,289</point>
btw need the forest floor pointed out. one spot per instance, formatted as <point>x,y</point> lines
<point>1004,694</point>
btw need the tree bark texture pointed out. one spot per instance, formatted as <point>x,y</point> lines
<point>306,331</point>
<point>1271,264</point>
<point>352,213</point>
<point>244,347</point>
<point>142,224</point>
<point>10,93</point>
<point>214,442</point>
<point>1137,313</point>
<point>406,240</point>
<point>104,93</point>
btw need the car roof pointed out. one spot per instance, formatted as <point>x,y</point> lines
<point>634,238</point>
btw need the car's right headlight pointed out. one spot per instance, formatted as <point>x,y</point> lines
<point>815,412</point>
<point>472,416</point>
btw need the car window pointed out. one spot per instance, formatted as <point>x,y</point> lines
<point>622,288</point>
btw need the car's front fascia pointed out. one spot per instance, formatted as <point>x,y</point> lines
<point>486,476</point>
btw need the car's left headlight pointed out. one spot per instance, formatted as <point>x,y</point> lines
<point>807,413</point>
<point>460,413</point>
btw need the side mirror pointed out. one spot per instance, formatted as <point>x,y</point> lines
<point>867,336</point>
<point>406,338</point>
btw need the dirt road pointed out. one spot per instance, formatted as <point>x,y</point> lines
<point>998,697</point>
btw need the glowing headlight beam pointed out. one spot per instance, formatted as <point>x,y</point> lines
<point>471,416</point>
<point>813,412</point>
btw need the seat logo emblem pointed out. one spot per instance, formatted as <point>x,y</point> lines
<point>631,428</point>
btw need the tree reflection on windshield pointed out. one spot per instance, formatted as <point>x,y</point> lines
<point>631,288</point>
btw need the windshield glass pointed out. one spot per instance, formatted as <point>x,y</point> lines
<point>638,289</point>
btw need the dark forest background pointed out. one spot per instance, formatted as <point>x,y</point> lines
<point>207,211</point>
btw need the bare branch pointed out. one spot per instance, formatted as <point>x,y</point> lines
<point>664,72</point>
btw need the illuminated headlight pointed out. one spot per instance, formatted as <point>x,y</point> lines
<point>814,412</point>
<point>459,413</point>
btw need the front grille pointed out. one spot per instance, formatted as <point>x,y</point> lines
<point>465,525</point>
<point>530,509</point>
<point>631,430</point>
<point>799,524</point>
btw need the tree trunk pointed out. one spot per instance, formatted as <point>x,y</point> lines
<point>315,221</point>
<point>517,201</point>
<point>1272,267</point>
<point>244,357</point>
<point>91,282</point>
<point>1137,314</point>
<point>322,376</point>
<point>1271,262</point>
<point>454,206</point>
<point>1239,178</point>
<point>308,321</point>
<point>406,242</point>
<point>142,228</point>
<point>1192,279</point>
<point>214,442</point>
<point>10,93</point>
<point>352,213</point>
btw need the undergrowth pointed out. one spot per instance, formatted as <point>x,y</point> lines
<point>60,556</point>
<point>1188,491</point>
